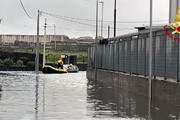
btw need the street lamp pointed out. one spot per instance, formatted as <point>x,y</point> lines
<point>102,18</point>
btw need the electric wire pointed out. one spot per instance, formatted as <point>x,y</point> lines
<point>75,29</point>
<point>25,10</point>
<point>62,16</point>
<point>59,17</point>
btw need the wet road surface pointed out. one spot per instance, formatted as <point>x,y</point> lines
<point>71,96</point>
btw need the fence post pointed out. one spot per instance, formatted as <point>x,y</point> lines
<point>154,69</point>
<point>118,53</point>
<point>113,44</point>
<point>165,45</point>
<point>130,57</point>
<point>178,60</point>
<point>123,45</point>
<point>145,56</point>
<point>137,56</point>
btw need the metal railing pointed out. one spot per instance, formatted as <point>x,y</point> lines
<point>130,54</point>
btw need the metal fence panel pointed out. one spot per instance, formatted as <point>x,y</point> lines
<point>121,56</point>
<point>134,55</point>
<point>147,56</point>
<point>141,56</point>
<point>116,56</point>
<point>89,56</point>
<point>171,58</point>
<point>111,56</point>
<point>103,56</point>
<point>108,56</point>
<point>127,57</point>
<point>92,49</point>
<point>160,55</point>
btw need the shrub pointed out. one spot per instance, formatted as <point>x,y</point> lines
<point>8,61</point>
<point>1,62</point>
<point>19,63</point>
<point>31,64</point>
<point>24,59</point>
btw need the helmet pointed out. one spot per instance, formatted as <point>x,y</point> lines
<point>59,61</point>
<point>70,64</point>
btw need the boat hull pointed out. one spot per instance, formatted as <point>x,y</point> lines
<point>49,69</point>
<point>73,69</point>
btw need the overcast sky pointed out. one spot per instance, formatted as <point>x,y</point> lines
<point>15,21</point>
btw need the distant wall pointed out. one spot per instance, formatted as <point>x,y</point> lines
<point>161,90</point>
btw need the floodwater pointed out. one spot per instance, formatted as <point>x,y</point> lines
<point>71,96</point>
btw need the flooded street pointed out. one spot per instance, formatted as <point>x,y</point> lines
<point>71,96</point>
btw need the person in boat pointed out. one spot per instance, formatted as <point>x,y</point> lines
<point>60,63</point>
<point>71,67</point>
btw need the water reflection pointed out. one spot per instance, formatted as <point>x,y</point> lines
<point>26,96</point>
<point>111,102</point>
<point>0,95</point>
<point>36,97</point>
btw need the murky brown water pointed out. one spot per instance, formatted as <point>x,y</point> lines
<point>72,97</point>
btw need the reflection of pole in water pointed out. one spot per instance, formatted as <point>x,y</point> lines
<point>36,97</point>
<point>43,98</point>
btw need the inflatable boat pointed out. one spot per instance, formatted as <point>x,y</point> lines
<point>72,69</point>
<point>52,69</point>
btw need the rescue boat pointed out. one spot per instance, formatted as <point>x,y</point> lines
<point>72,69</point>
<point>51,69</point>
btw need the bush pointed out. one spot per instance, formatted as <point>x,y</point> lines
<point>8,61</point>
<point>1,62</point>
<point>24,59</point>
<point>19,63</point>
<point>31,64</point>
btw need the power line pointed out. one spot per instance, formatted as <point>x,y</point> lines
<point>59,17</point>
<point>75,29</point>
<point>90,20</point>
<point>25,10</point>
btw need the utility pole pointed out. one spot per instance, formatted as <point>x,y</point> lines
<point>37,44</point>
<point>95,58</point>
<point>44,54</point>
<point>102,18</point>
<point>114,18</point>
<point>150,61</point>
<point>54,36</point>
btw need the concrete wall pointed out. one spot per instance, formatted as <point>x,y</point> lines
<point>161,90</point>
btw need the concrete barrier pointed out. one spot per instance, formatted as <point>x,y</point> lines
<point>161,90</point>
